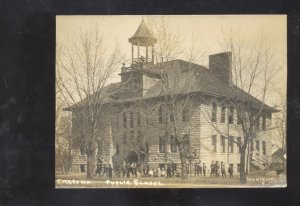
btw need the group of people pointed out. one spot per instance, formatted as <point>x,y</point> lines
<point>134,169</point>
<point>104,170</point>
<point>216,168</point>
<point>200,169</point>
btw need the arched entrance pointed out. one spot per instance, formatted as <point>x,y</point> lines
<point>132,157</point>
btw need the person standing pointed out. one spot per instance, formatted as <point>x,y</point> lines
<point>109,170</point>
<point>230,171</point>
<point>196,169</point>
<point>199,168</point>
<point>204,169</point>
<point>223,171</point>
<point>212,169</point>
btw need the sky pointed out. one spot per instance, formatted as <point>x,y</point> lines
<point>205,28</point>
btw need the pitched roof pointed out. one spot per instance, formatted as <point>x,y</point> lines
<point>142,36</point>
<point>194,78</point>
<point>185,77</point>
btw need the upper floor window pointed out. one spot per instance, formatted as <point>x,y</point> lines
<point>223,143</point>
<point>172,119</point>
<point>264,147</point>
<point>138,120</point>
<point>162,143</point>
<point>82,152</point>
<point>147,148</point>
<point>239,118</point>
<point>185,114</point>
<point>131,120</point>
<point>214,142</point>
<point>186,143</point>
<point>257,123</point>
<point>231,145</point>
<point>124,120</point>
<point>214,112</point>
<point>117,122</point>
<point>239,140</point>
<point>124,137</point>
<point>117,149</point>
<point>264,122</point>
<point>230,116</point>
<point>223,110</point>
<point>160,114</point>
<point>257,145</point>
<point>173,144</point>
<point>139,136</point>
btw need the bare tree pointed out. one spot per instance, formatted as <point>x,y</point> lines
<point>252,71</point>
<point>174,89</point>
<point>84,67</point>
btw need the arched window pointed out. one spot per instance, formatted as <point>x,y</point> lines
<point>173,144</point>
<point>223,110</point>
<point>162,143</point>
<point>214,112</point>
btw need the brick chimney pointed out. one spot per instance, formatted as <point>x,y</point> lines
<point>220,64</point>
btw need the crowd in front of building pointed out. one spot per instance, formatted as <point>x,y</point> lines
<point>169,170</point>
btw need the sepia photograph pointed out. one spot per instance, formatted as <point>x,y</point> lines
<point>171,101</point>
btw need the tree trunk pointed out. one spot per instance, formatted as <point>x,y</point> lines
<point>184,174</point>
<point>90,169</point>
<point>243,179</point>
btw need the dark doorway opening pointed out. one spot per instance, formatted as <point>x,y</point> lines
<point>132,157</point>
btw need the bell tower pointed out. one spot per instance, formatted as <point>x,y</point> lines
<point>141,43</point>
<point>133,77</point>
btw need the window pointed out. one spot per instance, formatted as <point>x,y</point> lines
<point>214,112</point>
<point>214,142</point>
<point>160,114</point>
<point>131,120</point>
<point>117,122</point>
<point>230,116</point>
<point>82,151</point>
<point>257,145</point>
<point>139,136</point>
<point>124,120</point>
<point>223,109</point>
<point>223,143</point>
<point>231,146</point>
<point>264,147</point>
<point>147,148</point>
<point>186,143</point>
<point>257,124</point>
<point>125,137</point>
<point>82,169</point>
<point>162,143</point>
<point>172,119</point>
<point>138,119</point>
<point>264,123</point>
<point>173,144</point>
<point>131,135</point>
<point>239,118</point>
<point>239,140</point>
<point>238,168</point>
<point>117,149</point>
<point>185,114</point>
